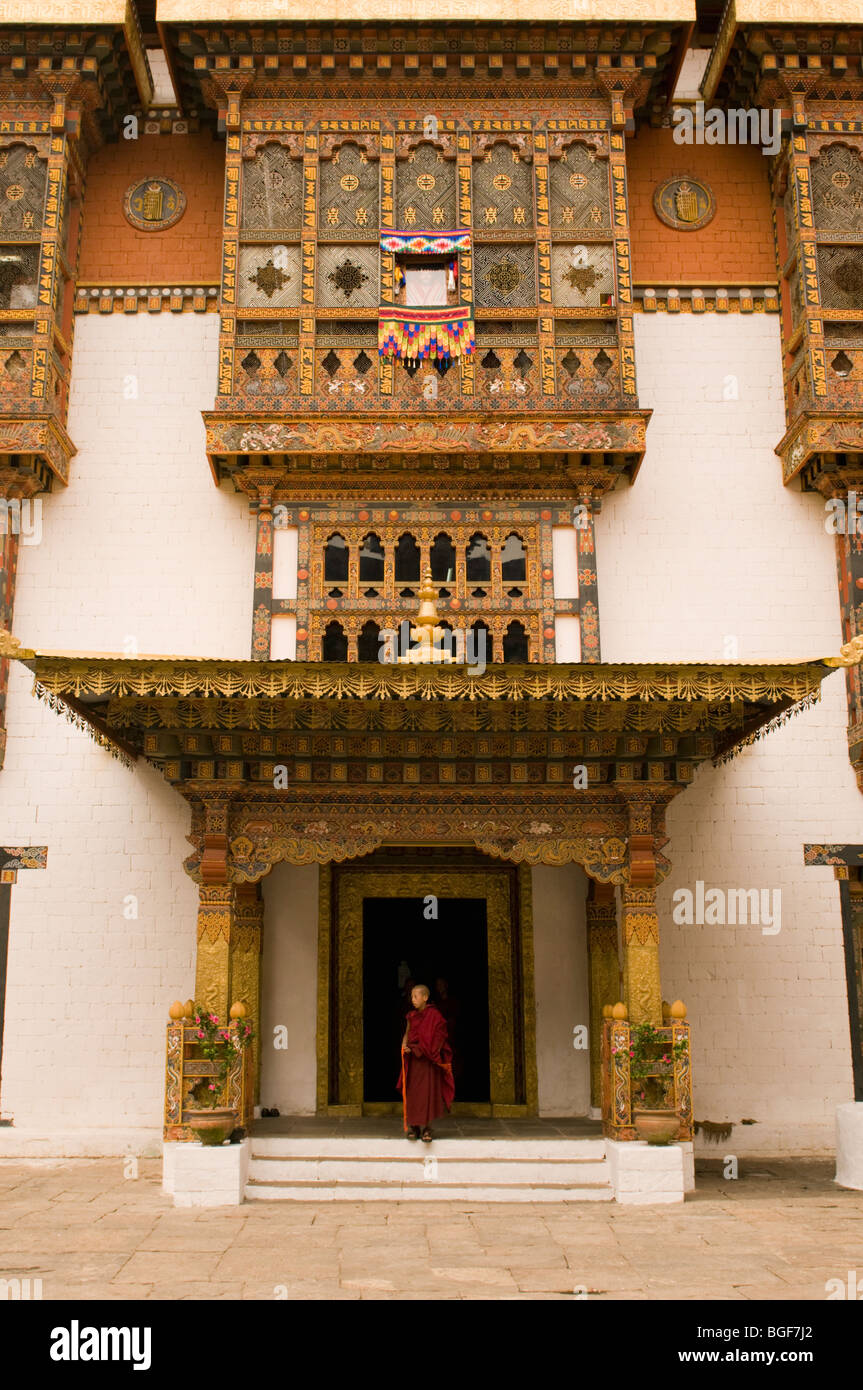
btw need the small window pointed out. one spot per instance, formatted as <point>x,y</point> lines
<point>515,643</point>
<point>368,642</point>
<point>407,558</point>
<point>513,567</point>
<point>425,288</point>
<point>335,643</point>
<point>336,556</point>
<point>372,560</point>
<point>478,560</point>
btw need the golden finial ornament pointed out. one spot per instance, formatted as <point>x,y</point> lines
<point>427,633</point>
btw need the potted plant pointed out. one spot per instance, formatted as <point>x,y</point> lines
<point>651,1070</point>
<point>210,1120</point>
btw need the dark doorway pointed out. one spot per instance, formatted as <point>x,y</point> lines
<point>399,944</point>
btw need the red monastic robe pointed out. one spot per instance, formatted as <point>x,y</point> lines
<point>429,1087</point>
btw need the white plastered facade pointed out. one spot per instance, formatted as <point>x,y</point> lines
<point>142,553</point>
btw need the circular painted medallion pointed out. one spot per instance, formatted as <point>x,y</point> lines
<point>684,202</point>
<point>154,203</point>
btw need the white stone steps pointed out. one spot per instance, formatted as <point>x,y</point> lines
<point>425,1192</point>
<point>282,1168</point>
<point>410,1169</point>
<point>283,1146</point>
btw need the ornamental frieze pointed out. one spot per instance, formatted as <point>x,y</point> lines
<point>251,435</point>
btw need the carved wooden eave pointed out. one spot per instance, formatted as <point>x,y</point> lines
<point>769,51</point>
<point>550,456</point>
<point>95,44</point>
<point>823,449</point>
<point>376,754</point>
<point>631,50</point>
<point>35,452</point>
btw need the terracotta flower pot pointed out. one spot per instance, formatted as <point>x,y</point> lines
<point>213,1126</point>
<point>656,1126</point>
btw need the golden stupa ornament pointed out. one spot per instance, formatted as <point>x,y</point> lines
<point>435,643</point>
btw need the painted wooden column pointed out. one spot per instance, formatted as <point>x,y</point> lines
<point>588,588</point>
<point>262,603</point>
<point>8,569</point>
<point>603,964</point>
<point>642,990</point>
<point>245,964</point>
<point>11,860</point>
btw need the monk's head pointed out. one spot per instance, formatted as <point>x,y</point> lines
<point>419,996</point>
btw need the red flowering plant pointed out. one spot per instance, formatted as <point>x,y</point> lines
<point>220,1043</point>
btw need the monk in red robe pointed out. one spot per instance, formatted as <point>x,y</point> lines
<point>426,1081</point>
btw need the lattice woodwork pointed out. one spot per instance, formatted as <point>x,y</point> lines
<point>426,190</point>
<point>348,277</point>
<point>840,276</point>
<point>458,599</point>
<point>503,190</point>
<point>581,276</point>
<point>23,177</point>
<point>267,372</point>
<point>273,192</point>
<point>837,189</point>
<point>349,198</point>
<point>269,277</point>
<point>508,374</point>
<point>19,268</point>
<point>505,276</point>
<point>589,375</point>
<point>579,190</point>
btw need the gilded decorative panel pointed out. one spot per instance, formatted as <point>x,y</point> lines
<point>426,190</point>
<point>269,277</point>
<point>840,276</point>
<point>348,277</point>
<point>505,276</point>
<point>582,276</point>
<point>837,189</point>
<point>579,190</point>
<point>22,192</point>
<point>349,195</point>
<point>273,192</point>
<point>503,190</point>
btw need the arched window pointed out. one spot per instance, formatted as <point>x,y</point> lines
<point>481,648</point>
<point>515,643</point>
<point>443,559</point>
<point>368,642</point>
<point>336,556</point>
<point>372,560</point>
<point>407,558</point>
<point>513,560</point>
<point>335,643</point>
<point>478,552</point>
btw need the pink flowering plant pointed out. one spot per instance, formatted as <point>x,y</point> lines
<point>220,1043</point>
<point>651,1067</point>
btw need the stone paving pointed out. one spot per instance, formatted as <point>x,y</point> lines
<point>88,1228</point>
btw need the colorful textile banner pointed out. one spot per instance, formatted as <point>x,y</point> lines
<point>424,243</point>
<point>423,333</point>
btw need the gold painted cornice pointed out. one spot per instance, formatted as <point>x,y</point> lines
<point>102,676</point>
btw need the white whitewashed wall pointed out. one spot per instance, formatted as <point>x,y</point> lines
<point>706,551</point>
<point>141,548</point>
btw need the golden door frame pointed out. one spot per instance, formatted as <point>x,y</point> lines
<point>511,994</point>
